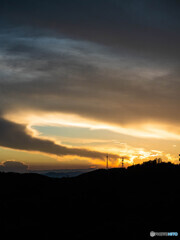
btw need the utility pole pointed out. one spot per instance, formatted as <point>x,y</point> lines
<point>107,161</point>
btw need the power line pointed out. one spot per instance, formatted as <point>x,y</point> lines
<point>122,162</point>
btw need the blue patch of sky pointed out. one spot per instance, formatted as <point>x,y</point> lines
<point>75,132</point>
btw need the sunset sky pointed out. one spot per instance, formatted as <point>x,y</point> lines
<point>83,78</point>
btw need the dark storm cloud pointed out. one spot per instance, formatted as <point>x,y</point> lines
<point>16,136</point>
<point>148,27</point>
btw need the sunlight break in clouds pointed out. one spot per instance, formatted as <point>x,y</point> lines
<point>144,131</point>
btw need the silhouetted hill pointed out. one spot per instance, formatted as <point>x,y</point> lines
<point>128,203</point>
<point>64,173</point>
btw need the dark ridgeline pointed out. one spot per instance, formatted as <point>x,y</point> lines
<point>115,203</point>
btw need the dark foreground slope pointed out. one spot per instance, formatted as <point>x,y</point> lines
<point>115,203</point>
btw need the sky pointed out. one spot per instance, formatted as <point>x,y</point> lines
<point>80,79</point>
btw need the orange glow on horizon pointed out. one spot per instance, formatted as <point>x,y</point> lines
<point>133,155</point>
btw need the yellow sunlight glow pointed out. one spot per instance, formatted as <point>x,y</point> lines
<point>157,131</point>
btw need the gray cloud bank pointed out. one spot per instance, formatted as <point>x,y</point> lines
<point>63,75</point>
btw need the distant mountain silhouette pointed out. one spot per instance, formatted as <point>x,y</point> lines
<point>114,203</point>
<point>63,173</point>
